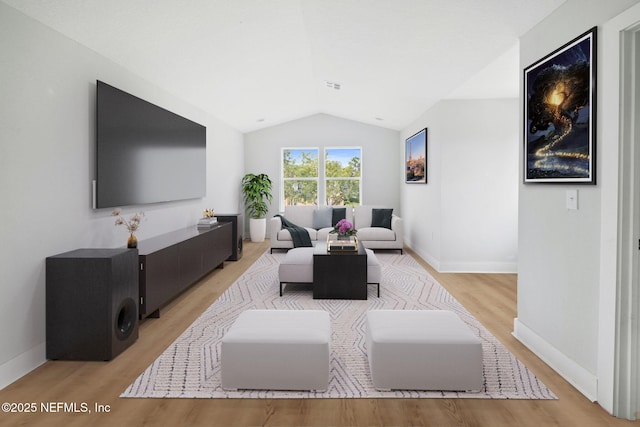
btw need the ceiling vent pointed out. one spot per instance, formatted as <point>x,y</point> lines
<point>332,85</point>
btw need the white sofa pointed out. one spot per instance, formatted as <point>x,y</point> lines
<point>372,237</point>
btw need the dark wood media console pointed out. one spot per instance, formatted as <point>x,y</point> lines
<point>172,262</point>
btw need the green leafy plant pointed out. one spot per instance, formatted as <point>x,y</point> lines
<point>257,192</point>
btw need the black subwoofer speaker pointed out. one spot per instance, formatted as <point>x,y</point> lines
<point>92,303</point>
<point>237,221</point>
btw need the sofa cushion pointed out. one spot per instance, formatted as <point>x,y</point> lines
<point>381,218</point>
<point>376,233</point>
<point>323,233</point>
<point>337,215</point>
<point>361,217</point>
<point>322,218</point>
<point>300,215</point>
<point>285,235</point>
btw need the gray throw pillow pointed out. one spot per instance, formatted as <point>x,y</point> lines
<point>322,218</point>
<point>381,218</point>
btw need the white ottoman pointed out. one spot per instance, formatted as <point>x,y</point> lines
<point>374,269</point>
<point>296,267</point>
<point>277,350</point>
<point>422,350</point>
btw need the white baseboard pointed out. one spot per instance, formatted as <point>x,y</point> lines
<point>465,267</point>
<point>21,365</point>
<point>478,267</point>
<point>425,256</point>
<point>584,381</point>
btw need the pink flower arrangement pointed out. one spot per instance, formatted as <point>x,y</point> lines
<point>344,228</point>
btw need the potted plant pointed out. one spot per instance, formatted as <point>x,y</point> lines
<point>256,190</point>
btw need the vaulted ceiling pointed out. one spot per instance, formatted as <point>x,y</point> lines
<point>256,63</point>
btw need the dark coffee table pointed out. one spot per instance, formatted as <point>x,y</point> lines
<point>339,274</point>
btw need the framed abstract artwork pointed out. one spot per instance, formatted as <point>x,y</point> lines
<point>416,158</point>
<point>560,114</point>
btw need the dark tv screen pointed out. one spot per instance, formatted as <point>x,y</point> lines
<point>146,154</point>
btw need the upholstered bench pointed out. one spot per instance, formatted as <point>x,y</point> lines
<point>297,267</point>
<point>277,350</point>
<point>374,269</point>
<point>422,350</point>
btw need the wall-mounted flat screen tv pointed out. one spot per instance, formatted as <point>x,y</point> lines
<point>145,154</point>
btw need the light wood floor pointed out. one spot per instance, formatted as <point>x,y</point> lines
<point>489,297</point>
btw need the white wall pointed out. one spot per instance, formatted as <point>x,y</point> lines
<point>559,250</point>
<point>465,217</point>
<point>47,163</point>
<point>379,153</point>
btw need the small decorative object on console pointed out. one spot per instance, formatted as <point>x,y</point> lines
<point>132,225</point>
<point>348,244</point>
<point>208,219</point>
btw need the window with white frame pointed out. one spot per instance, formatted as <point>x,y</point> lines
<point>335,178</point>
<point>342,176</point>
<point>300,176</point>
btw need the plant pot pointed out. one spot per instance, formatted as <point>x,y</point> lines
<point>257,229</point>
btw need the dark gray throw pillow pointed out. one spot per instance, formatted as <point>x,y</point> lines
<point>338,214</point>
<point>322,218</point>
<point>381,218</point>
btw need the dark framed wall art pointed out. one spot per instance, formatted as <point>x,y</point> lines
<point>560,114</point>
<point>416,158</point>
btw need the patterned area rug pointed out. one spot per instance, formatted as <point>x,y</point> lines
<point>190,367</point>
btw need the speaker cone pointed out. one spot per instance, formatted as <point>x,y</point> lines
<point>126,318</point>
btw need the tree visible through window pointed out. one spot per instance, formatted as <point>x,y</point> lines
<point>342,176</point>
<point>300,176</point>
<point>339,184</point>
